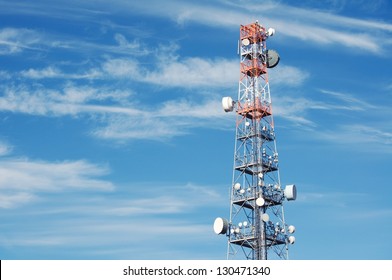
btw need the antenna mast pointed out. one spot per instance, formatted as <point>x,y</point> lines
<point>257,225</point>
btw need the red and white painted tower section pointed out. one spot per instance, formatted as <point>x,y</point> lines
<point>257,229</point>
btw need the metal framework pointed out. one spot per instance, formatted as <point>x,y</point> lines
<point>257,225</point>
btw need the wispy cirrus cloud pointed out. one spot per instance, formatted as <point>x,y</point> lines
<point>172,118</point>
<point>103,238</point>
<point>5,148</point>
<point>353,129</point>
<point>288,75</point>
<point>304,24</point>
<point>199,72</point>
<point>21,180</point>
<point>348,101</point>
<point>71,100</point>
<point>4,75</point>
<point>143,211</point>
<point>170,71</point>
<point>125,118</point>
<point>296,110</point>
<point>51,72</point>
<point>121,117</point>
<point>15,40</point>
<point>379,139</point>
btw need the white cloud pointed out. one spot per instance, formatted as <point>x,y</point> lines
<point>304,24</point>
<point>120,122</point>
<point>4,75</point>
<point>94,237</point>
<point>22,179</point>
<point>194,72</point>
<point>173,118</point>
<point>11,200</point>
<point>348,102</point>
<point>123,68</point>
<point>51,72</point>
<point>296,109</point>
<point>368,214</point>
<point>5,149</point>
<point>72,100</point>
<point>14,40</point>
<point>361,134</point>
<point>185,73</point>
<point>321,27</point>
<point>121,119</point>
<point>168,199</point>
<point>330,198</point>
<point>322,35</point>
<point>143,126</point>
<point>133,48</point>
<point>287,75</point>
<point>143,212</point>
<point>48,72</point>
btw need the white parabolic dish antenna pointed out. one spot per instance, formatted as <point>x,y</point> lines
<point>260,201</point>
<point>246,42</point>
<point>265,217</point>
<point>290,192</point>
<point>220,225</point>
<point>227,104</point>
<point>273,58</point>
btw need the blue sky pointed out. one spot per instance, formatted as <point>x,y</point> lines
<point>114,145</point>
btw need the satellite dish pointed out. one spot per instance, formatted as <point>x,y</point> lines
<point>290,192</point>
<point>271,31</point>
<point>237,186</point>
<point>273,58</point>
<point>291,239</point>
<point>227,104</point>
<point>220,226</point>
<point>291,229</point>
<point>265,217</point>
<point>246,42</point>
<point>260,201</point>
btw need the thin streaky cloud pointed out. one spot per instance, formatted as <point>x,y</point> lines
<point>367,138</point>
<point>318,27</point>
<point>15,40</point>
<point>22,179</point>
<point>349,99</point>
<point>5,148</point>
<point>51,72</point>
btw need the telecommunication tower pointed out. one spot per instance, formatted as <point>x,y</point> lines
<point>257,225</point>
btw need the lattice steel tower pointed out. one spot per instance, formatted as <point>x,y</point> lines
<point>257,225</point>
